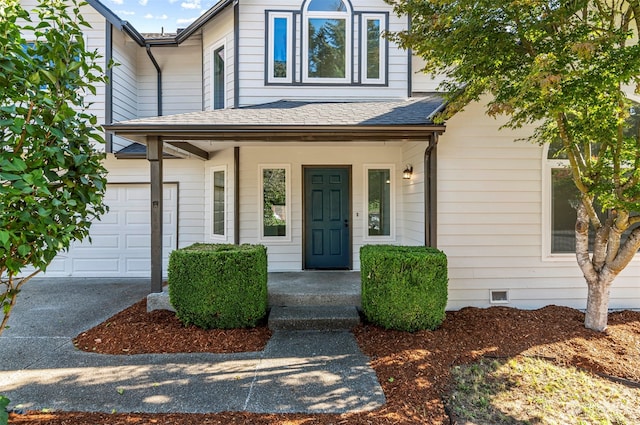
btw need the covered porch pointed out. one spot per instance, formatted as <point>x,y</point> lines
<point>240,139</point>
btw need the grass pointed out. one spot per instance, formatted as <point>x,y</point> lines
<point>527,390</point>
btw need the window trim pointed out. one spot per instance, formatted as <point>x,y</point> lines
<point>214,47</point>
<point>392,200</point>
<point>383,49</point>
<point>548,165</point>
<point>287,177</point>
<point>348,56</point>
<point>224,236</point>
<point>269,47</point>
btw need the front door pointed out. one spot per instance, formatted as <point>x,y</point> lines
<point>327,233</point>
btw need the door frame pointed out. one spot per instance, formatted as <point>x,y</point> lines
<point>349,169</point>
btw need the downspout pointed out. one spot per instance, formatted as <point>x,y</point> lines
<point>108,101</point>
<point>159,78</point>
<point>409,65</point>
<point>236,56</point>
<point>431,192</point>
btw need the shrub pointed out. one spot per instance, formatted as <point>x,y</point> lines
<point>403,287</point>
<point>219,285</point>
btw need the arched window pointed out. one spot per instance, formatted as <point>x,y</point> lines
<point>326,41</point>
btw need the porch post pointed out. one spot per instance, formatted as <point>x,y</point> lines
<point>154,156</point>
<point>236,195</point>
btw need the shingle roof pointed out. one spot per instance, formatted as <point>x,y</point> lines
<point>414,111</point>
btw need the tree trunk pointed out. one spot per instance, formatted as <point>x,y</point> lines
<point>597,304</point>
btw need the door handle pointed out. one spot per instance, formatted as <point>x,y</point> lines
<point>346,223</point>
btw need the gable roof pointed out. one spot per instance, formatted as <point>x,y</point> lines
<point>114,20</point>
<point>143,40</point>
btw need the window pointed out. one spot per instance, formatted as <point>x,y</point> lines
<point>219,202</point>
<point>373,49</point>
<point>275,204</point>
<point>327,29</point>
<point>379,202</point>
<point>279,51</point>
<point>322,43</point>
<point>219,77</point>
<point>562,203</point>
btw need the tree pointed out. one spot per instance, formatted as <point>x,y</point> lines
<point>561,67</point>
<point>52,180</point>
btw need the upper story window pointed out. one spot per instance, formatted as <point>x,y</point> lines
<point>374,49</point>
<point>279,52</point>
<point>326,42</point>
<point>219,76</point>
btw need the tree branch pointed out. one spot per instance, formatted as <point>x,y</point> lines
<point>582,244</point>
<point>627,252</point>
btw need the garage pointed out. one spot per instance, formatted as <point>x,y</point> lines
<point>121,240</point>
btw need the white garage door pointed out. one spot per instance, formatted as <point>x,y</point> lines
<point>121,241</point>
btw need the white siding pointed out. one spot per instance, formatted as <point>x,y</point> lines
<point>218,30</point>
<point>181,79</point>
<point>252,49</point>
<point>124,82</point>
<point>422,81</point>
<point>411,203</point>
<point>490,222</point>
<point>95,38</point>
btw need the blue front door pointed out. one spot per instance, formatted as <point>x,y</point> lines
<point>327,227</point>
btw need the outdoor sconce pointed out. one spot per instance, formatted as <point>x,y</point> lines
<point>408,171</point>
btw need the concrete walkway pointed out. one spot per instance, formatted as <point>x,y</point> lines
<point>299,371</point>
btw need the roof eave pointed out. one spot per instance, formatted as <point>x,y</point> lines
<point>202,20</point>
<point>114,20</point>
<point>276,133</point>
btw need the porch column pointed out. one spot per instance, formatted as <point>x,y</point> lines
<point>154,156</point>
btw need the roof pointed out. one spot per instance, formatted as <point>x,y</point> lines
<point>114,20</point>
<point>293,121</point>
<point>285,113</point>
<point>159,39</point>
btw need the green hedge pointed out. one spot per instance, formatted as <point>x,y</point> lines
<point>403,287</point>
<point>219,285</point>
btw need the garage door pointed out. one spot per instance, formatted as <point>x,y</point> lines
<point>121,241</point>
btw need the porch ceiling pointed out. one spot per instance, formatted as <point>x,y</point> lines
<point>200,133</point>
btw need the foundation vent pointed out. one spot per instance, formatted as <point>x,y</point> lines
<point>499,296</point>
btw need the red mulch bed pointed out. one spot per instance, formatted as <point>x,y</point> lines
<point>413,368</point>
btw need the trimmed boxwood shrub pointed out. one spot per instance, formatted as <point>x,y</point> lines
<point>219,285</point>
<point>403,287</point>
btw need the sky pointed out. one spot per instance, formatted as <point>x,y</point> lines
<point>151,16</point>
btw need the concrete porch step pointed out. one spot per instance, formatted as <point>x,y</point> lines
<point>309,317</point>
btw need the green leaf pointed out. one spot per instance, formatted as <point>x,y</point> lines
<point>24,250</point>
<point>10,176</point>
<point>4,415</point>
<point>15,164</point>
<point>4,237</point>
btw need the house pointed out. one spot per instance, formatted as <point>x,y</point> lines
<point>294,124</point>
